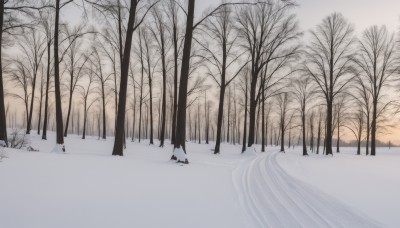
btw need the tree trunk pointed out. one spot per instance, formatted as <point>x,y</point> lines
<point>151,110</point>
<point>283,134</point>
<point>3,124</point>
<point>181,118</point>
<point>368,135</point>
<point>59,118</point>
<point>328,133</point>
<point>46,102</point>
<point>373,127</point>
<point>319,134</point>
<point>198,120</point>
<point>40,106</point>
<point>103,95</point>
<point>78,122</point>
<point>69,106</point>
<point>29,123</point>
<point>141,86</point>
<point>164,98</point>
<point>195,127</point>
<point>134,114</point>
<point>220,117</point>
<point>84,122</point>
<point>98,125</point>
<point>234,118</point>
<point>115,94</point>
<point>245,121</point>
<point>229,115</point>
<point>119,135</point>
<point>263,120</point>
<point>149,119</point>
<point>207,121</point>
<point>338,136</point>
<point>253,106</point>
<point>312,133</point>
<point>303,126</point>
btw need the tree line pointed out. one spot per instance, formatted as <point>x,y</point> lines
<point>242,72</point>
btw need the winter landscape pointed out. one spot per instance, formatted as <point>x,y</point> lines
<point>184,113</point>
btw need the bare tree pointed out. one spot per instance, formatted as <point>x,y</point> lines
<point>33,47</point>
<point>180,136</point>
<point>59,119</point>
<point>42,89</point>
<point>45,22</point>
<point>340,116</point>
<point>149,69</point>
<point>20,75</point>
<point>268,31</point>
<point>102,79</point>
<point>10,22</point>
<point>377,63</point>
<point>320,118</point>
<point>222,57</point>
<point>75,61</point>
<point>172,10</point>
<point>86,92</point>
<point>141,83</point>
<point>362,96</point>
<point>160,35</point>
<point>133,105</point>
<point>328,62</point>
<point>357,125</point>
<point>303,93</point>
<point>285,115</point>
<point>131,27</point>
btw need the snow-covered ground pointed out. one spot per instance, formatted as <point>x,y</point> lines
<point>89,188</point>
<point>369,184</point>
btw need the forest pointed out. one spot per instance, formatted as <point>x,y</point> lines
<point>229,116</point>
<point>242,73</point>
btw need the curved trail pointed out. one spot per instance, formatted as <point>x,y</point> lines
<point>272,198</point>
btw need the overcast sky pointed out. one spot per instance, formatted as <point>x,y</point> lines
<point>362,13</point>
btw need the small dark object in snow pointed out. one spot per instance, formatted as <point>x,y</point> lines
<point>185,162</point>
<point>29,148</point>
<point>63,148</point>
<point>174,157</point>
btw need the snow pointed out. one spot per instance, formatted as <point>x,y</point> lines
<point>250,151</point>
<point>87,187</point>
<point>3,153</point>
<point>279,200</point>
<point>369,184</point>
<point>58,148</point>
<point>180,155</point>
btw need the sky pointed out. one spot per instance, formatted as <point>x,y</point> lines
<point>362,13</point>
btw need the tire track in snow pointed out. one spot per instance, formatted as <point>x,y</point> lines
<point>272,198</point>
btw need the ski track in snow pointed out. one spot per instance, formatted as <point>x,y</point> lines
<point>272,198</point>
